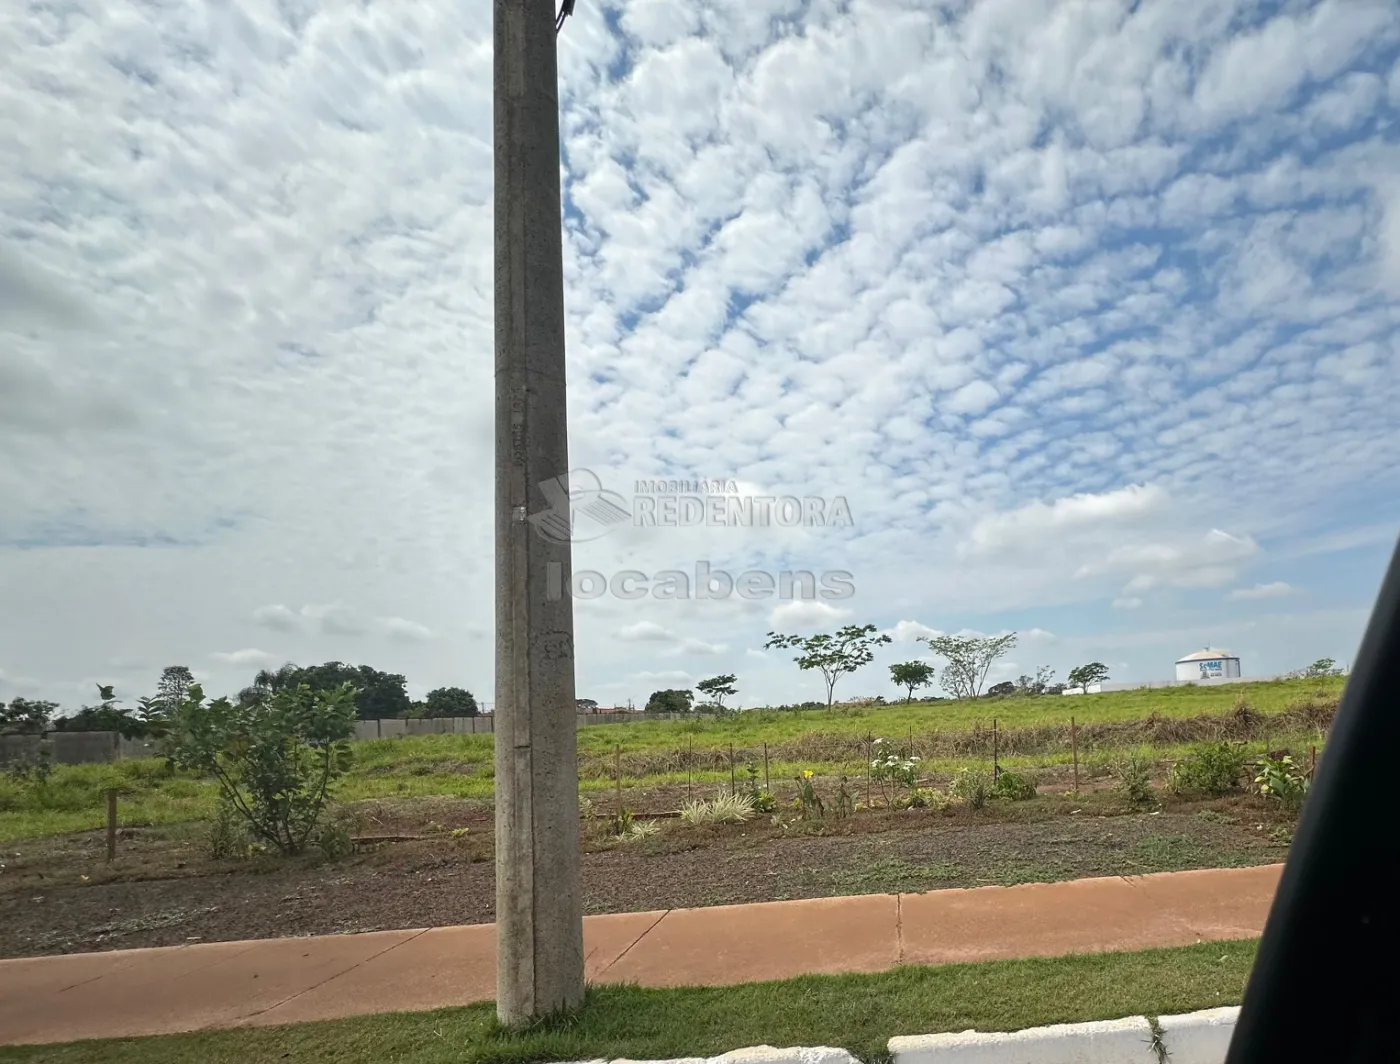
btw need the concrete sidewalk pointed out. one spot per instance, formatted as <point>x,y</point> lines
<point>290,980</point>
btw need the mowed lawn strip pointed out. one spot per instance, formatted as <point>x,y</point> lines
<point>856,1012</point>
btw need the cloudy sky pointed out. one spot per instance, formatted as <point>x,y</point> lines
<point>1087,309</point>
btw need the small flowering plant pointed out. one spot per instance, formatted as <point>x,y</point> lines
<point>808,801</point>
<point>891,771</point>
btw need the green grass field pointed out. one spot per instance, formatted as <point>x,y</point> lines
<point>856,1012</point>
<point>1033,732</point>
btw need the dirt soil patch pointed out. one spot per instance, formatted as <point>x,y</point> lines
<point>58,895</point>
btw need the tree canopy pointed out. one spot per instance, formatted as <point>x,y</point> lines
<point>670,701</point>
<point>912,675</point>
<point>849,649</point>
<point>378,695</point>
<point>970,658</point>
<point>718,688</point>
<point>450,702</point>
<point>26,715</point>
<point>1085,676</point>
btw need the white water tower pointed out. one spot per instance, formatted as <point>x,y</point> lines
<point>1208,664</point>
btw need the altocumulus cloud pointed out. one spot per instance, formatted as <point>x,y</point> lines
<point>1075,305</point>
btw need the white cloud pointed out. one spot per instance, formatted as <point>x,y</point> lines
<point>1026,526</point>
<point>700,647</point>
<point>805,614</point>
<point>1029,284</point>
<point>1260,591</point>
<point>1131,602</point>
<point>972,398</point>
<point>408,631</point>
<point>249,656</point>
<point>645,631</point>
<point>333,620</point>
<point>338,621</point>
<point>672,676</point>
<point>279,618</point>
<point>909,631</point>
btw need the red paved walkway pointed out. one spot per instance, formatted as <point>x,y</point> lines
<point>224,984</point>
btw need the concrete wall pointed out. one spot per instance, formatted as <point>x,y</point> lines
<point>69,748</point>
<point>366,729</point>
<point>395,728</point>
<point>19,747</point>
<point>84,748</point>
<point>1127,685</point>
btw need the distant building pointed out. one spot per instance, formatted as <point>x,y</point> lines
<point>1208,664</point>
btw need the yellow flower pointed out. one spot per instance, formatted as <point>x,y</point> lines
<point>806,773</point>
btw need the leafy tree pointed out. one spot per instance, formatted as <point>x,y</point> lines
<point>275,758</point>
<point>1006,687</point>
<point>378,695</point>
<point>108,716</point>
<point>153,713</point>
<point>1082,677</point>
<point>1044,678</point>
<point>27,716</point>
<point>1322,667</point>
<point>268,682</point>
<point>585,705</point>
<point>832,655</point>
<point>970,658</point>
<point>718,688</point>
<point>674,701</point>
<point>911,675</point>
<point>450,702</point>
<point>175,683</point>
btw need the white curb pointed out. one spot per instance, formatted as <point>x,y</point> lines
<point>1125,1041</point>
<point>760,1055</point>
<point>1194,1038</point>
<point>1199,1037</point>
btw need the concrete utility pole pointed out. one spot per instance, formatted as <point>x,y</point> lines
<point>539,907</point>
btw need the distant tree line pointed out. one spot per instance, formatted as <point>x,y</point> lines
<point>376,695</point>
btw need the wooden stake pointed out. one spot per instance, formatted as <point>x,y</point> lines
<point>618,763</point>
<point>766,786</point>
<point>111,825</point>
<point>996,769</point>
<point>1312,762</point>
<point>869,750</point>
<point>689,769</point>
<point>1074,748</point>
<point>733,788</point>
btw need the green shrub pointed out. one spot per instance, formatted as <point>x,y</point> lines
<point>1279,778</point>
<point>925,798</point>
<point>275,759</point>
<point>227,836</point>
<point>1135,779</point>
<point>641,829</point>
<point>722,809</point>
<point>334,841</point>
<point>1212,769</point>
<point>1014,787</point>
<point>972,787</point>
